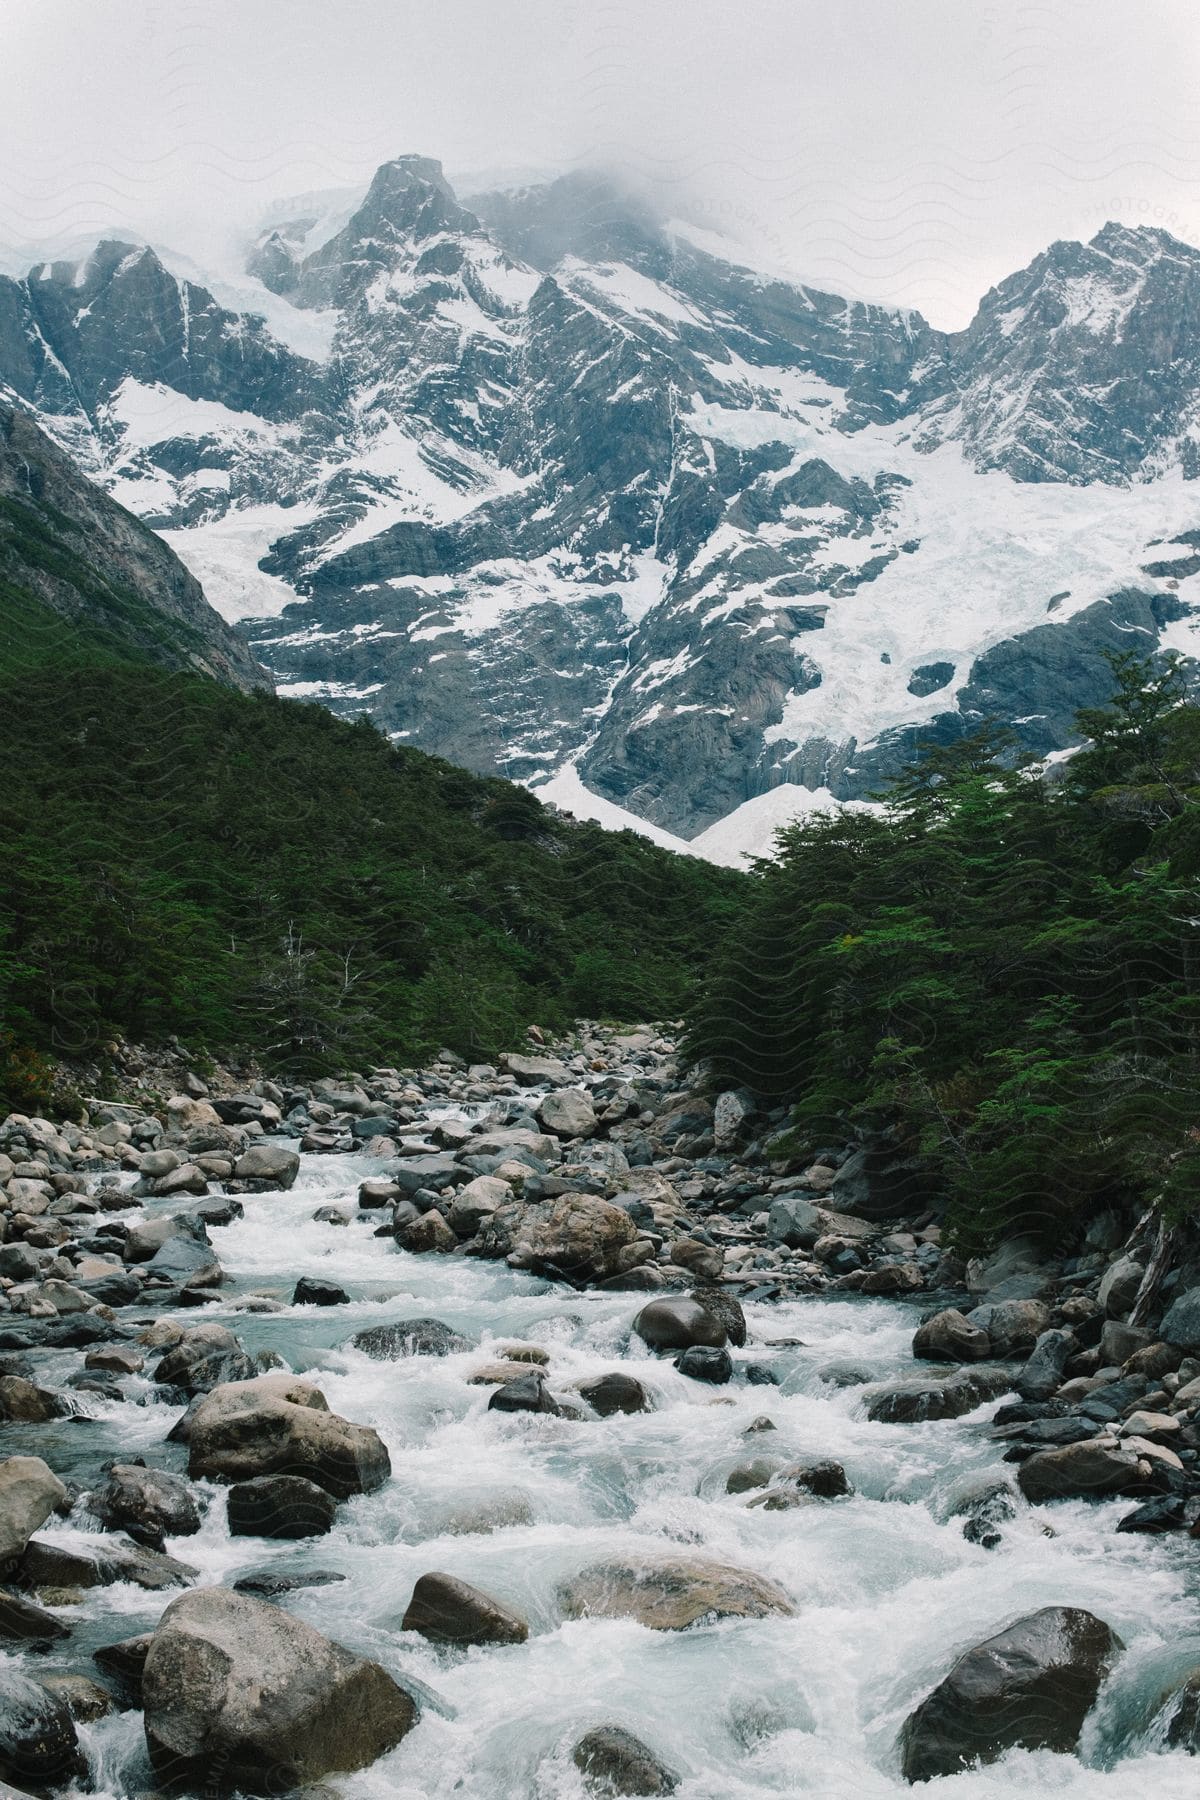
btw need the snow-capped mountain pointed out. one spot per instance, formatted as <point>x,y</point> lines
<point>556,489</point>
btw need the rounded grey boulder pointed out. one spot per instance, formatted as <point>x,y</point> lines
<point>237,1691</point>
<point>678,1323</point>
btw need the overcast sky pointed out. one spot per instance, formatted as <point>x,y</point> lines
<point>911,151</point>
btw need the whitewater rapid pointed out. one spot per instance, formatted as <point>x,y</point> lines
<point>887,1594</point>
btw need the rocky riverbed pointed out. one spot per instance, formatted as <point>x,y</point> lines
<point>545,1431</point>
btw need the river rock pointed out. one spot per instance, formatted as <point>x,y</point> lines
<point>615,1392</point>
<point>1182,1711</point>
<point>913,1399</point>
<point>281,1425</point>
<point>21,1403</point>
<point>310,1291</point>
<point>476,1202</point>
<point>1043,1373</point>
<point>669,1593</point>
<point>573,1237</point>
<point>410,1337</point>
<point>133,1495</point>
<point>703,1262</point>
<point>612,1761</point>
<point>677,1323</point>
<point>23,1622</point>
<point>29,1492</point>
<point>428,1233</point>
<point>1181,1326</point>
<point>949,1337</point>
<point>46,1565</point>
<point>235,1688</point>
<point>269,1165</point>
<point>449,1611</point>
<point>531,1071</point>
<point>1119,1286</point>
<point>87,1700</point>
<point>1086,1470</point>
<point>280,1506</point>
<point>1033,1684</point>
<point>39,1749</point>
<point>528,1393</point>
<point>793,1221</point>
<point>568,1113</point>
<point>207,1356</point>
<point>185,1262</point>
<point>1013,1326</point>
<point>704,1363</point>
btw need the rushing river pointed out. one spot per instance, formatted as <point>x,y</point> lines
<point>886,1593</point>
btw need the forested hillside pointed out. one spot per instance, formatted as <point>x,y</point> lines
<point>244,871</point>
<point>994,973</point>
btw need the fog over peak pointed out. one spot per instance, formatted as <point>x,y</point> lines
<point>910,155</point>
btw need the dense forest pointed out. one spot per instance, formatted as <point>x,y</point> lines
<point>246,872</point>
<point>993,970</point>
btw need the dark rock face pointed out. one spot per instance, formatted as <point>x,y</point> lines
<point>449,1611</point>
<point>1032,1684</point>
<point>622,481</point>
<point>95,566</point>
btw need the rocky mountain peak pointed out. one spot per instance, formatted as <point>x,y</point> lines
<point>566,493</point>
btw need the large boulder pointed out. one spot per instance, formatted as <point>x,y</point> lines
<point>1033,1685</point>
<point>409,1337</point>
<point>281,1425</point>
<point>150,1499</point>
<point>270,1166</point>
<point>949,1337</point>
<point>240,1693</point>
<point>29,1493</point>
<point>568,1113</point>
<point>38,1746</point>
<point>677,1322</point>
<point>448,1611</point>
<point>669,1593</point>
<point>571,1237</point>
<point>1084,1471</point>
<point>612,1761</point>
